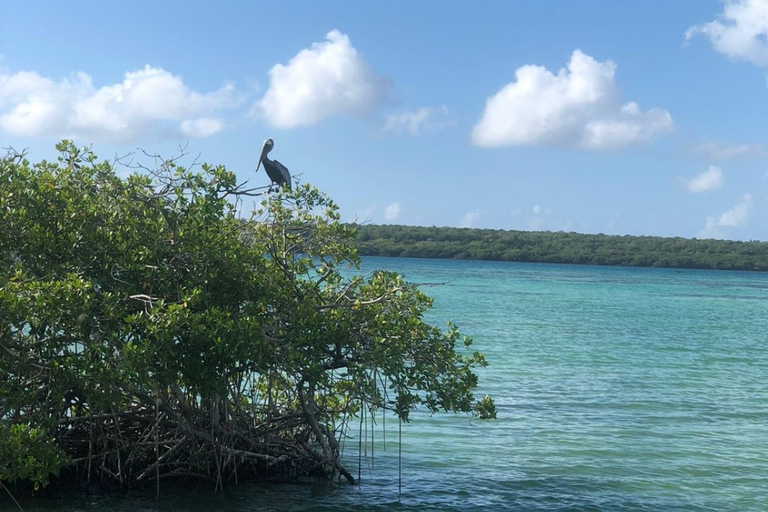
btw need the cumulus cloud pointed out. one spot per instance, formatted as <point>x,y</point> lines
<point>740,32</point>
<point>392,212</point>
<point>576,108</point>
<point>326,79</point>
<point>412,122</point>
<point>148,103</point>
<point>736,217</point>
<point>711,179</point>
<point>468,219</point>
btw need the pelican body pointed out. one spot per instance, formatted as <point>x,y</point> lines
<point>276,171</point>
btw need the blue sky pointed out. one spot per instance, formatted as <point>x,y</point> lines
<point>642,117</point>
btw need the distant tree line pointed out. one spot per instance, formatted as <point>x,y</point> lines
<point>559,247</point>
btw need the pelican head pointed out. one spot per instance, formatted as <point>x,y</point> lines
<point>265,149</point>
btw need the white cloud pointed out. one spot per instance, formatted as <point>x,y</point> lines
<point>327,79</point>
<point>202,127</point>
<point>539,210</point>
<point>407,121</point>
<point>577,108</point>
<point>736,217</point>
<point>543,219</point>
<point>468,219</point>
<point>148,103</point>
<point>425,118</point>
<point>741,32</point>
<point>366,215</point>
<point>392,212</point>
<point>725,151</point>
<point>711,179</point>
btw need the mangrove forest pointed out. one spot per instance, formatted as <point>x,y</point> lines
<point>151,330</point>
<point>559,247</point>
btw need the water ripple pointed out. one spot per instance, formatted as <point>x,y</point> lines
<point>617,389</point>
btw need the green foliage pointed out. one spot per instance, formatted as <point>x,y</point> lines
<point>560,247</point>
<point>486,408</point>
<point>147,300</point>
<point>356,339</point>
<point>26,453</point>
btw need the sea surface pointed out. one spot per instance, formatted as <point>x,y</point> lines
<point>617,389</point>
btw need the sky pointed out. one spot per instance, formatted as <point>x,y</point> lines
<point>640,117</point>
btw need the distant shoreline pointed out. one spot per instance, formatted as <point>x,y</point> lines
<point>559,247</point>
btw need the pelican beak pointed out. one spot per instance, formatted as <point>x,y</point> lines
<point>263,153</point>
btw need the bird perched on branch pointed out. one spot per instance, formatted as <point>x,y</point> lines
<point>276,171</point>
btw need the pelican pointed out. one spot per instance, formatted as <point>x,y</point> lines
<point>276,171</point>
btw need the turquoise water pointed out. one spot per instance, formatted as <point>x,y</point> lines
<point>617,389</point>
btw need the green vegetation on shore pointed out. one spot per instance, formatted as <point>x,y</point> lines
<point>559,247</point>
<point>148,333</point>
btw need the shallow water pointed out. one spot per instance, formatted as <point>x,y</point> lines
<point>617,389</point>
